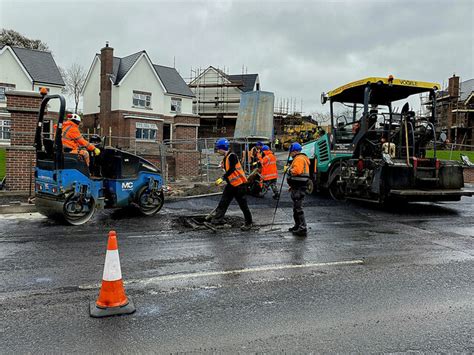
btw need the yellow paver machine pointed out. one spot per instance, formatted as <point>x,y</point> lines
<point>377,153</point>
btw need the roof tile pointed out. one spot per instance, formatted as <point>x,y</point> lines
<point>248,80</point>
<point>172,81</point>
<point>40,65</point>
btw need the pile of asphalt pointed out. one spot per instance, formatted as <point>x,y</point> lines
<point>197,222</point>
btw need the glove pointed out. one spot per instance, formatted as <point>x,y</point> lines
<point>285,168</point>
<point>96,151</point>
<point>219,181</point>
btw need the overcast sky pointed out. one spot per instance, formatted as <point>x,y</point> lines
<point>299,48</point>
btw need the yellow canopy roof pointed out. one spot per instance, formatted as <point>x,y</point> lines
<point>386,90</point>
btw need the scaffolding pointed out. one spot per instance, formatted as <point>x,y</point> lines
<point>455,115</point>
<point>288,106</point>
<point>214,100</point>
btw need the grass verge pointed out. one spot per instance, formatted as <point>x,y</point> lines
<point>450,155</point>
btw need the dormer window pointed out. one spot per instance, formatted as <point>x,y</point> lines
<point>176,105</point>
<point>142,99</point>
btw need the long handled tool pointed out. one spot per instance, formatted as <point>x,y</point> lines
<point>279,193</point>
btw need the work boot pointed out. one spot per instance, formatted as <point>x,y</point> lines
<point>246,226</point>
<point>300,232</point>
<point>292,229</point>
<point>209,217</point>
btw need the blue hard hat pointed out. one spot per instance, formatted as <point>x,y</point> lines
<point>259,144</point>
<point>222,143</point>
<point>265,148</point>
<point>295,147</point>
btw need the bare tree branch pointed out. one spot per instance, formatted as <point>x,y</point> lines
<point>74,77</point>
<point>322,117</point>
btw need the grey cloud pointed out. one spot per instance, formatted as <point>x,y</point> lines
<point>299,48</point>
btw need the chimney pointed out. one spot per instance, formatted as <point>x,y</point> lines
<point>106,70</point>
<point>453,86</point>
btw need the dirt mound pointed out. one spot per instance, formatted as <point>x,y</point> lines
<point>193,189</point>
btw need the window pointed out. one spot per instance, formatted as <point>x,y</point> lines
<point>3,98</point>
<point>5,126</point>
<point>3,89</point>
<point>145,131</point>
<point>142,99</point>
<point>176,105</point>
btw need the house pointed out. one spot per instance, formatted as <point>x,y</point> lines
<point>455,111</point>
<point>217,99</point>
<point>137,100</point>
<point>24,69</point>
<point>140,106</point>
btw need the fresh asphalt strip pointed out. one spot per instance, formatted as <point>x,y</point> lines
<point>158,279</point>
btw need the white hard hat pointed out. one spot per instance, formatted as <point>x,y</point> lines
<point>74,117</point>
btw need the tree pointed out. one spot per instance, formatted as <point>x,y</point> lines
<point>74,78</point>
<point>14,38</point>
<point>322,117</point>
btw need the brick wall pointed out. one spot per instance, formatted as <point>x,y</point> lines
<point>187,119</point>
<point>225,128</point>
<point>186,163</point>
<point>469,175</point>
<point>24,109</point>
<point>90,121</point>
<point>185,128</point>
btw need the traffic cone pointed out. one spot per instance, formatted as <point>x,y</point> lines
<point>112,299</point>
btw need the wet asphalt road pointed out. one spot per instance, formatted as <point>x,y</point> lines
<point>408,284</point>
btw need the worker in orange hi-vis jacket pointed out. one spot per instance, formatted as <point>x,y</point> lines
<point>269,170</point>
<point>235,188</point>
<point>74,142</point>
<point>298,176</point>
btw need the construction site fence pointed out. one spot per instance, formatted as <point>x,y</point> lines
<point>208,162</point>
<point>164,153</point>
<point>161,153</point>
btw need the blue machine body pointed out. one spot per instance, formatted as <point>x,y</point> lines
<point>67,187</point>
<point>108,192</point>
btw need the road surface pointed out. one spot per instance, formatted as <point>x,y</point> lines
<point>365,280</point>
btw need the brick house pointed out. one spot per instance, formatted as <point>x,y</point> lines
<point>141,104</point>
<point>217,99</point>
<point>455,111</point>
<point>136,99</point>
<point>26,70</point>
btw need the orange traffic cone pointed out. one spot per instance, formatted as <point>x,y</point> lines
<point>112,299</point>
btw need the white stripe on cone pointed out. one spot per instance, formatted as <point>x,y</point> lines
<point>112,271</point>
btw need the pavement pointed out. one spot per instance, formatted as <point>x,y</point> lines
<point>366,279</point>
